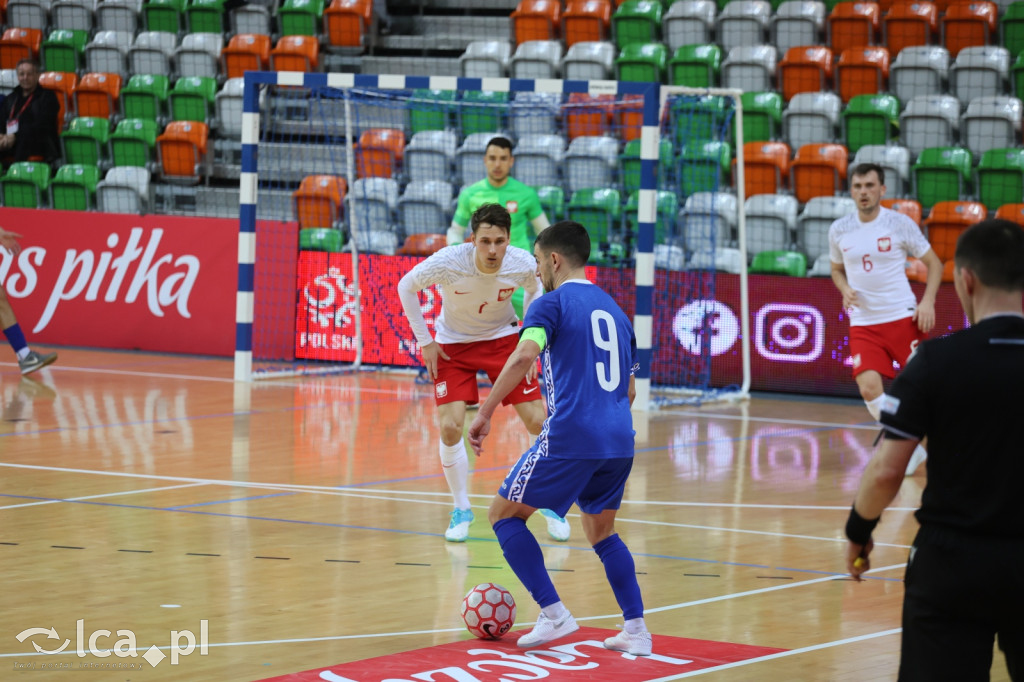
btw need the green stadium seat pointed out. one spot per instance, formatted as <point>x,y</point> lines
<point>327,239</point>
<point>85,141</point>
<point>300,17</point>
<point>870,119</point>
<point>762,116</point>
<point>600,211</point>
<point>629,165</point>
<point>665,222</point>
<point>133,142</point>
<point>941,174</point>
<point>697,118</point>
<point>696,66</point>
<point>145,96</point>
<point>432,110</point>
<point>193,98</point>
<point>74,187</point>
<point>790,263</point>
<point>1000,177</point>
<point>25,184</point>
<point>552,200</point>
<point>643,63</point>
<point>205,16</point>
<point>1018,76</point>
<point>64,50</point>
<point>485,117</point>
<point>164,15</point>
<point>703,167</point>
<point>637,21</point>
<point>1012,24</point>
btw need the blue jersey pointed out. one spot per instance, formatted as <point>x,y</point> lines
<point>589,358</point>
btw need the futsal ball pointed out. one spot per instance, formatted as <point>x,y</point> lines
<point>489,611</point>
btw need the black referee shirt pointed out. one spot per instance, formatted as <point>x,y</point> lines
<point>965,392</point>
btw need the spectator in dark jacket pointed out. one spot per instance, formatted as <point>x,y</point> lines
<point>30,114</point>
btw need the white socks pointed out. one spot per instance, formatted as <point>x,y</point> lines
<point>635,626</point>
<point>875,406</point>
<point>554,611</point>
<point>456,472</point>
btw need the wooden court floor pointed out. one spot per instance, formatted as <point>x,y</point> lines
<point>298,524</point>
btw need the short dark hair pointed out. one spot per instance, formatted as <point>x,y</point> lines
<point>865,168</point>
<point>499,141</point>
<point>994,251</point>
<point>29,60</point>
<point>492,214</point>
<point>568,238</point>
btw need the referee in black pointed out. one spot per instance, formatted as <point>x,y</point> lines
<point>965,392</point>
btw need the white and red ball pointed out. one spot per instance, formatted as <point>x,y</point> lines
<point>489,611</point>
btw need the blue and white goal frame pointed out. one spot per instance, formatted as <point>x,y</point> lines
<point>654,95</point>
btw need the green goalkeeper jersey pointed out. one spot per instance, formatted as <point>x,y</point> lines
<point>519,200</point>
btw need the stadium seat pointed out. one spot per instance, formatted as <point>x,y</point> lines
<point>589,61</point>
<point>665,216</point>
<point>762,116</point>
<point>97,95</point>
<point>947,220</point>
<point>552,200</point>
<point>1000,177</point>
<point>430,155</point>
<point>909,24</point>
<point>771,223</point>
<point>695,66</point>
<point>750,68</point>
<point>600,211</point>
<point>991,123</point>
<point>372,204</point>
<point>796,23</point>
<point>124,189</point>
<point>743,22</point>
<point>28,14</point>
<point>192,99</point>
<point>637,22</point>
<point>539,159</point>
<point>805,69</point>
<point>586,21</point>
<point>74,187</point>
<point>1012,25</point>
<point>118,15</point>
<point>181,149</point>
<point>1011,212</point>
<point>63,84</point>
<point>819,170</point>
<point>1018,76</point>
<point>790,263</point>
<point>483,112</point>
<point>295,53</point>
<point>26,185</point>
<point>72,15</point>
<point>689,22</point>
<point>107,52</point>
<point>853,25</point>
<point>228,104</point>
<point>814,221</point>
<point>870,119</point>
<point>967,24</point>
<point>811,117</point>
<point>8,81</point>
<point>696,118</point>
<point>535,113</point>
<point>485,59</point>
<point>199,55</point>
<point>133,142</point>
<point>300,17</point>
<point>862,70</point>
<point>588,115</point>
<point>349,24</point>
<point>326,239</point>
<point>590,162</point>
<point>930,121</point>
<point>980,72</point>
<point>152,53</point>
<point>206,16</point>
<point>630,165</point>
<point>707,222</point>
<point>145,96</point>
<point>469,158</point>
<point>164,15</point>
<point>703,166</point>
<point>765,167</point>
<point>64,51</point>
<point>908,207</point>
<point>941,174</point>
<point>536,20</point>
<point>919,70</point>
<point>422,244</point>
<point>17,44</point>
<point>379,153</point>
<point>432,110</point>
<point>537,59</point>
<point>319,201</point>
<point>643,63</point>
<point>895,163</point>
<point>628,117</point>
<point>85,141</point>
<point>425,207</point>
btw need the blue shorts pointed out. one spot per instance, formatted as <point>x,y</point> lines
<point>550,483</point>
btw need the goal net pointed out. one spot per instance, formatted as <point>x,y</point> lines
<point>349,180</point>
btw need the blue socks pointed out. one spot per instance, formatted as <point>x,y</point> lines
<point>522,552</point>
<point>16,337</point>
<point>621,572</point>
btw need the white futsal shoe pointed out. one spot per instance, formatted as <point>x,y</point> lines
<point>919,456</point>
<point>558,527</point>
<point>547,630</point>
<point>638,645</point>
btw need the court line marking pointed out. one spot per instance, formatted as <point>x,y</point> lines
<point>95,497</point>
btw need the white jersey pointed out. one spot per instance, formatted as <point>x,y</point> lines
<point>875,256</point>
<point>475,306</point>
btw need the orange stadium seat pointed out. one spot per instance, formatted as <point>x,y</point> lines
<point>1014,212</point>
<point>295,53</point>
<point>182,150</point>
<point>17,44</point>
<point>805,69</point>
<point>586,20</point>
<point>422,244</point>
<point>765,167</point>
<point>819,170</point>
<point>908,207</point>
<point>947,220</point>
<point>628,117</point>
<point>908,24</point>
<point>96,95</point>
<point>319,200</point>
<point>347,23</point>
<point>588,115</point>
<point>862,71</point>
<point>967,24</point>
<point>379,153</point>
<point>245,52</point>
<point>536,20</point>
<point>64,85</point>
<point>853,24</point>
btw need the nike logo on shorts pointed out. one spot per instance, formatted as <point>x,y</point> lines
<point>529,390</point>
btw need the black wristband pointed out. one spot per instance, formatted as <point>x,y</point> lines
<point>858,529</point>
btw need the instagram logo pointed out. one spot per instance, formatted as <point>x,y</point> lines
<point>789,332</point>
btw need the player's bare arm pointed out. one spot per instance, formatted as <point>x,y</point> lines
<point>9,241</point>
<point>522,360</point>
<point>839,279</point>
<point>924,315</point>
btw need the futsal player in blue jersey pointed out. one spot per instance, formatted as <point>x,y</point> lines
<point>585,449</point>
